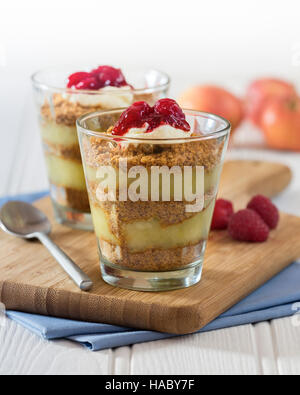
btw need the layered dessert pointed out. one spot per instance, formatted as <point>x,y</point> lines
<point>58,129</point>
<point>102,88</point>
<point>151,227</point>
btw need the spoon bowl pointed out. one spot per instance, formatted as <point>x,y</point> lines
<point>24,220</point>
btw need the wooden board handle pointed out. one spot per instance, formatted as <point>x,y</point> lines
<point>242,179</point>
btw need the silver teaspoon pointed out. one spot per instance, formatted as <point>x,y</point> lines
<point>24,220</point>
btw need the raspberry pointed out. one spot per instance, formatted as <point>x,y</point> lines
<point>98,78</point>
<point>76,78</point>
<point>168,107</point>
<point>164,112</point>
<point>266,209</point>
<point>109,76</point>
<point>169,112</point>
<point>90,83</point>
<point>247,225</point>
<point>222,213</point>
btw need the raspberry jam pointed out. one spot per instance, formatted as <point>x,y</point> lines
<point>96,79</point>
<point>164,112</point>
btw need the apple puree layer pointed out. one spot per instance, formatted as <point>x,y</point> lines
<point>65,172</point>
<point>59,134</point>
<point>142,235</point>
<point>151,233</point>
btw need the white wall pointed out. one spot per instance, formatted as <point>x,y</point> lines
<point>226,42</point>
<point>192,39</point>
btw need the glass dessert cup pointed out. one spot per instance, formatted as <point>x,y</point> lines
<point>152,230</point>
<point>58,108</point>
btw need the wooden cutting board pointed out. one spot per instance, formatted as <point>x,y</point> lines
<point>31,281</point>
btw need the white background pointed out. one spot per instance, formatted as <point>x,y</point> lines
<point>193,40</point>
<point>225,42</point>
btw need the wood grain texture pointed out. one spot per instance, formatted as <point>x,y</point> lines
<point>31,280</point>
<point>286,344</point>
<point>263,342</point>
<point>226,351</point>
<point>241,179</point>
<point>24,353</point>
<point>197,354</point>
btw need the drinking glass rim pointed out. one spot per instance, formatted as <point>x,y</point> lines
<point>218,133</point>
<point>39,83</point>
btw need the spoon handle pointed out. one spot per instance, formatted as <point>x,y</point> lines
<point>76,274</point>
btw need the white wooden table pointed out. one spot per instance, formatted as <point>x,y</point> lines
<point>265,348</point>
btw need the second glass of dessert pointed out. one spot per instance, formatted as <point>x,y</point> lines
<point>152,175</point>
<point>62,95</point>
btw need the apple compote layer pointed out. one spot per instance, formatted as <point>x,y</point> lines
<point>152,235</point>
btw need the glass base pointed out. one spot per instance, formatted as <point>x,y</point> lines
<point>151,281</point>
<point>72,218</point>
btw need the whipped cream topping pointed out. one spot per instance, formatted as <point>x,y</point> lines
<point>157,135</point>
<point>107,97</point>
<point>161,132</point>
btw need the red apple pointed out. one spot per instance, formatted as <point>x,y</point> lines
<point>210,98</point>
<point>263,90</point>
<point>280,122</point>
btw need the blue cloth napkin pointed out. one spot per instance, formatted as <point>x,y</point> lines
<point>26,197</point>
<point>277,298</point>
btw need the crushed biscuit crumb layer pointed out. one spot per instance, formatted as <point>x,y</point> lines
<point>152,260</point>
